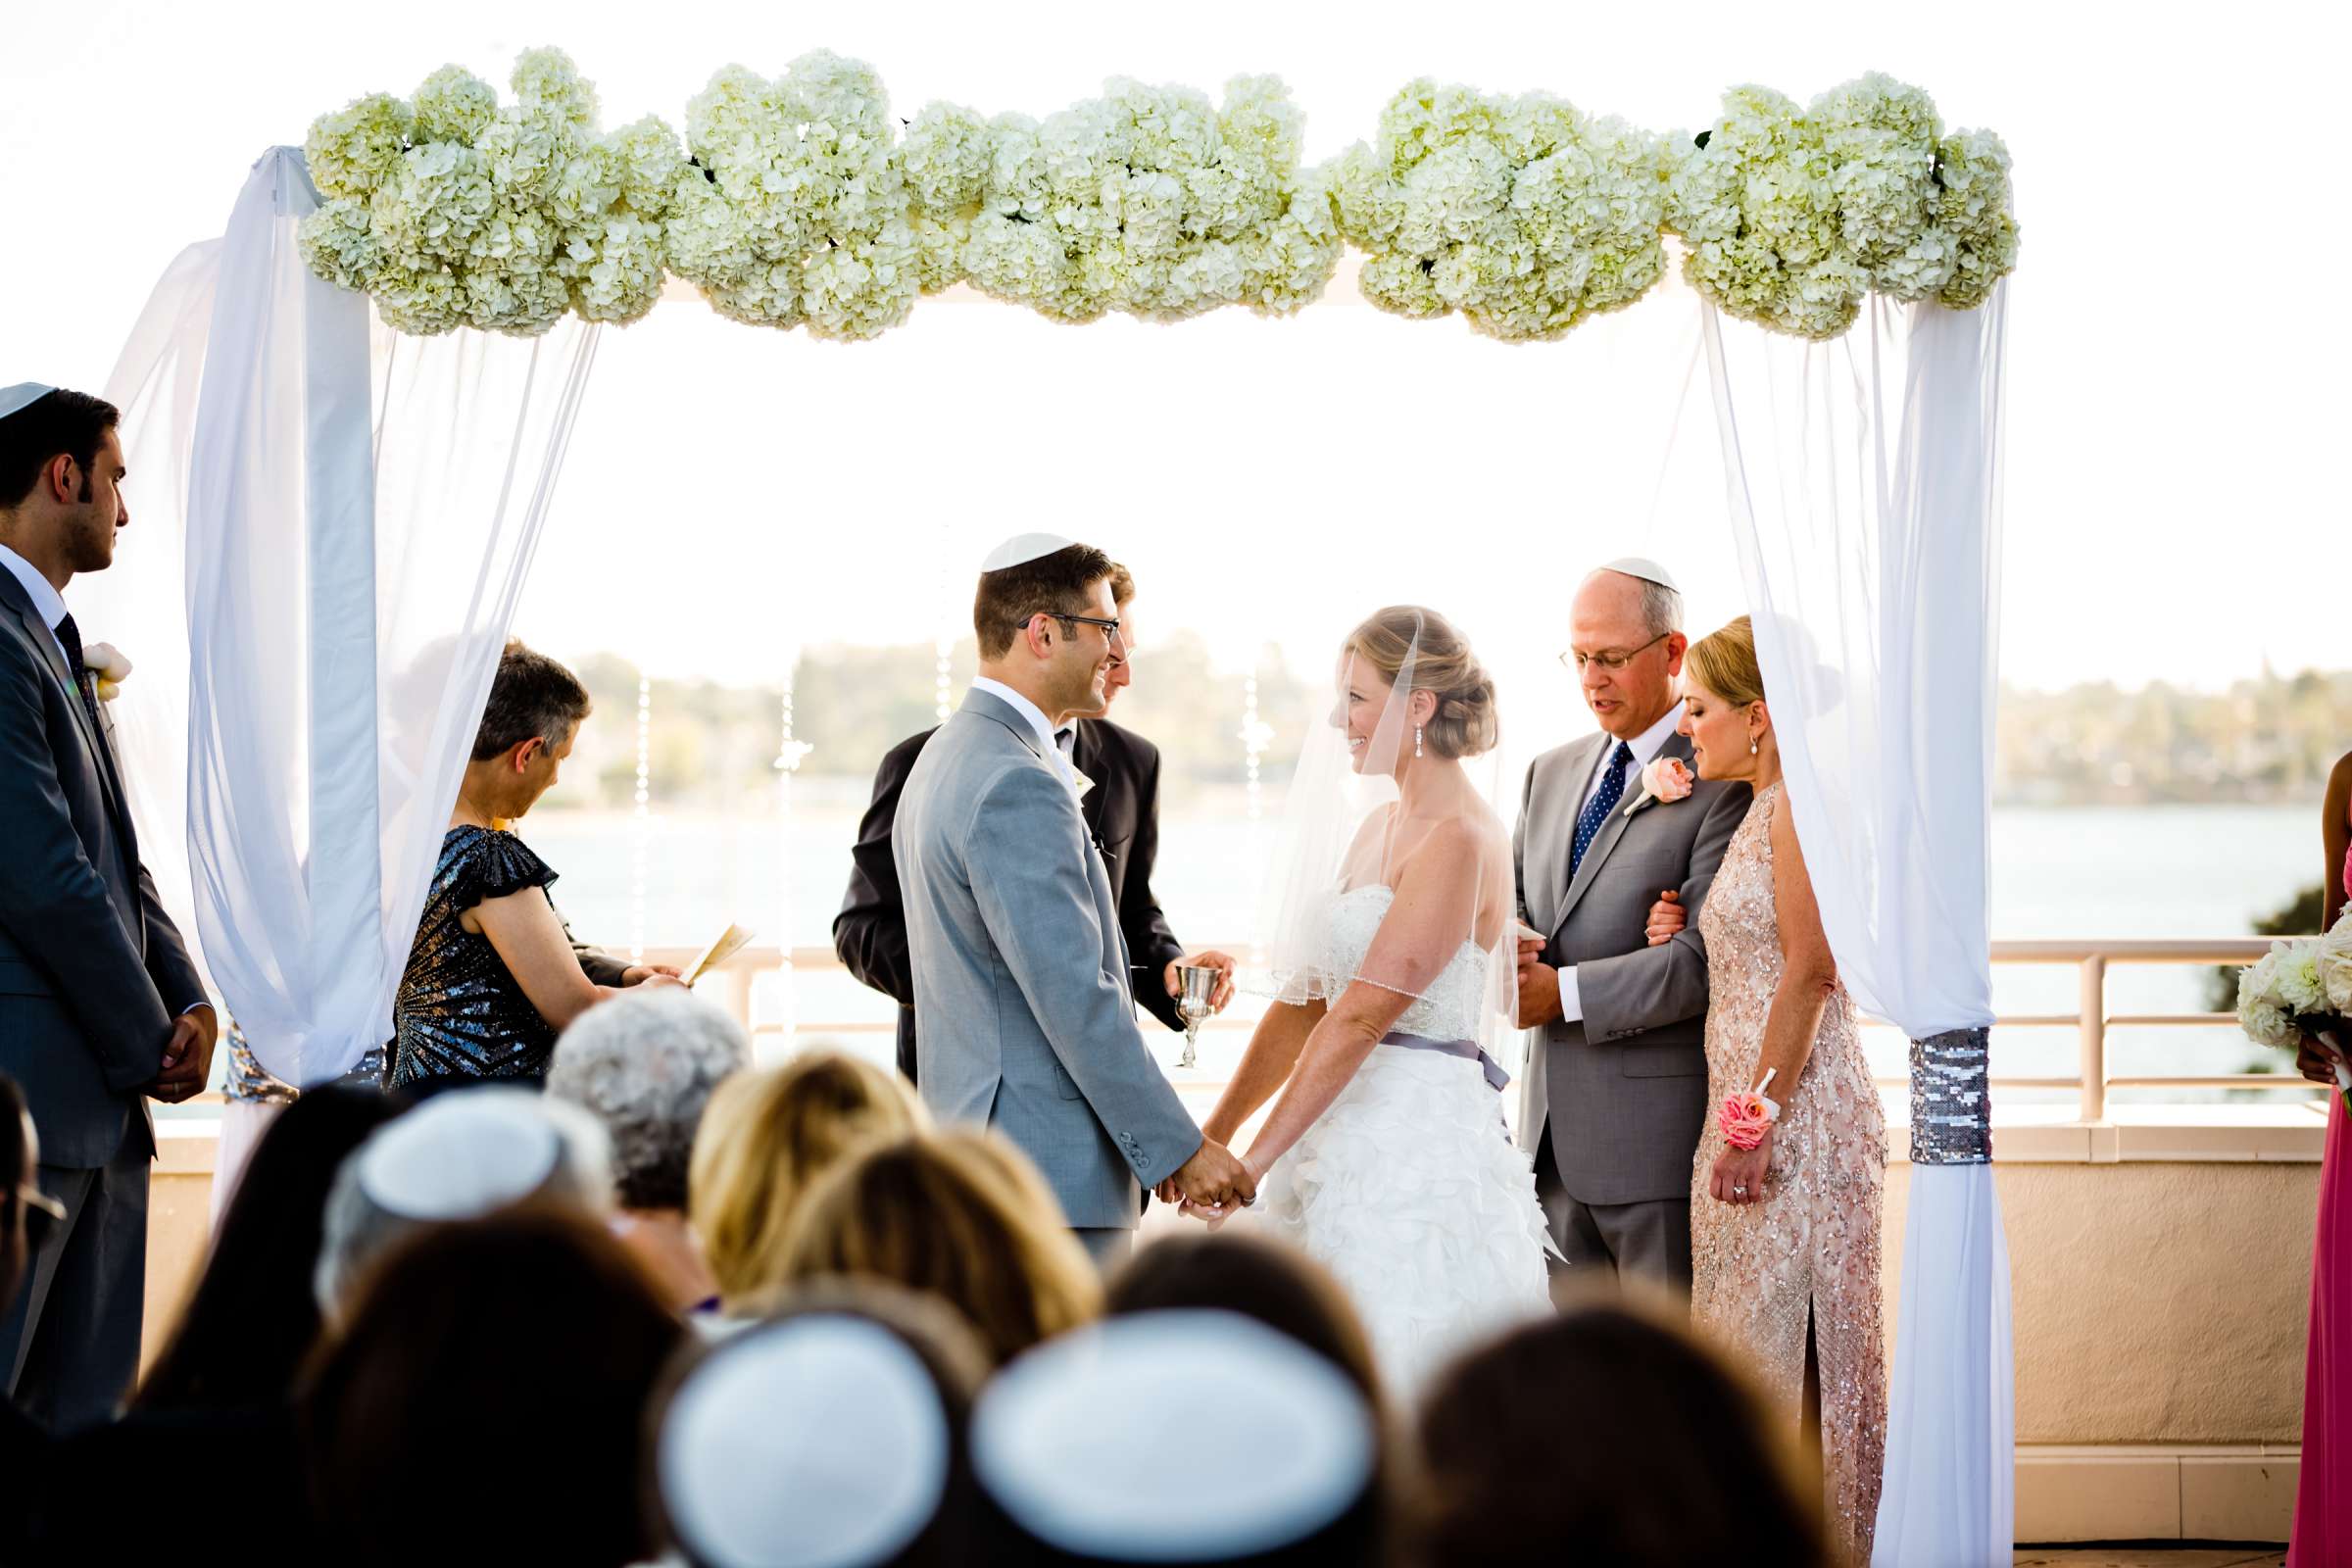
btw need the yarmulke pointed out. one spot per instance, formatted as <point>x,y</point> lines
<point>1024,547</point>
<point>460,1154</point>
<point>13,399</point>
<point>1287,1443</point>
<point>815,1443</point>
<point>1643,567</point>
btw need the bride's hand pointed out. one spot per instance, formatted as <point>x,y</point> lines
<point>1740,1174</point>
<point>1667,917</point>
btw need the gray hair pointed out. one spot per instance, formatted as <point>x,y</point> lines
<point>644,1066</point>
<point>1661,609</point>
<point>360,1224</point>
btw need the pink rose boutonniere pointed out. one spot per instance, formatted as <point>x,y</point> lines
<point>1668,778</point>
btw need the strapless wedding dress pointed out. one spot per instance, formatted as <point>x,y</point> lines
<point>1409,1188</point>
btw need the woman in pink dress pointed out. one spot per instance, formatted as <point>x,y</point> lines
<point>2322,1535</point>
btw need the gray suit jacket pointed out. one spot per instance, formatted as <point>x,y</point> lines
<point>1625,1088</point>
<point>1020,974</point>
<point>92,972</point>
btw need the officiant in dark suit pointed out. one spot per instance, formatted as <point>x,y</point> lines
<point>1122,809</point>
<point>100,1007</point>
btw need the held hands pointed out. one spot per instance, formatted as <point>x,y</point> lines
<point>1539,985</point>
<point>187,1059</point>
<point>1211,1181</point>
<point>1206,958</point>
<point>1667,917</point>
<point>1740,1174</point>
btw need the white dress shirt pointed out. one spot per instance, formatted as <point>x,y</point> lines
<point>1646,748</point>
<point>1047,738</point>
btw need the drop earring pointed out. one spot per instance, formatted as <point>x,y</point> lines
<point>1751,746</point>
<point>1416,740</point>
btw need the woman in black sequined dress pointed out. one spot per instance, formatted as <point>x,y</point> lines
<point>494,976</point>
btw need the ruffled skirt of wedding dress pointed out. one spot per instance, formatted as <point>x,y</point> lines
<point>1409,1190</point>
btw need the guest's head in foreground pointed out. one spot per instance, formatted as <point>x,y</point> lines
<point>61,477</point>
<point>254,1314</point>
<point>26,1213</point>
<point>1448,710</point>
<point>765,1138</point>
<point>1626,644</point>
<point>1273,1453</point>
<point>454,1157</point>
<point>1506,1481</point>
<point>532,717</point>
<point>834,1432</point>
<point>961,1215</point>
<point>484,1400</point>
<point>1276,1284</point>
<point>1724,711</point>
<point>1046,623</point>
<point>645,1065</point>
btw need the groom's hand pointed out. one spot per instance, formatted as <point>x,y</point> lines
<point>1539,989</point>
<point>1205,958</point>
<point>1215,1179</point>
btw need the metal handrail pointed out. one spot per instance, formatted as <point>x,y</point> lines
<point>2090,957</point>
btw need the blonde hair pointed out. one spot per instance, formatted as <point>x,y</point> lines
<point>766,1137</point>
<point>1466,723</point>
<point>961,1215</point>
<point>1724,664</point>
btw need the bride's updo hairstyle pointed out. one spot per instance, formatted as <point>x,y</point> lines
<point>1466,723</point>
<point>1724,663</point>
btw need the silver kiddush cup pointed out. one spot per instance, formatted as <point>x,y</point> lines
<point>1194,1003</point>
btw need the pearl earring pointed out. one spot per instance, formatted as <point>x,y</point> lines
<point>1751,746</point>
<point>1416,740</point>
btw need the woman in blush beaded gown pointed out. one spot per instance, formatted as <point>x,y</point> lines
<point>1783,1234</point>
<point>2323,1529</point>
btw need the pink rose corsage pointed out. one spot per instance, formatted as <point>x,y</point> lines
<point>1666,778</point>
<point>1747,1119</point>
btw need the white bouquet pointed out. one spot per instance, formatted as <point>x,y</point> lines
<point>2302,986</point>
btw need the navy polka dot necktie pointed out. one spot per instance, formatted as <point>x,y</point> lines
<point>1604,801</point>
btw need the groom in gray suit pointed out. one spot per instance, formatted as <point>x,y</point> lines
<point>1615,1094</point>
<point>1026,1022</point>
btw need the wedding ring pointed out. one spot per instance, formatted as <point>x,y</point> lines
<point>1739,1192</point>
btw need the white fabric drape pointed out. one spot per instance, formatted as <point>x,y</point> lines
<point>356,512</point>
<point>1864,480</point>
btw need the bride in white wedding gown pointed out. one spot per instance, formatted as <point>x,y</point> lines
<point>1393,922</point>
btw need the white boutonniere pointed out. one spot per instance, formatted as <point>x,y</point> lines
<point>108,668</point>
<point>1666,779</point>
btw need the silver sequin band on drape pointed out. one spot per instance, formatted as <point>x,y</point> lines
<point>1951,1104</point>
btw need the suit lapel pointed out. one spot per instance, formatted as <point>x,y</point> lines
<point>1558,845</point>
<point>1613,830</point>
<point>44,642</point>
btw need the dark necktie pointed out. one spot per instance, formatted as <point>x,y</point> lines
<point>1604,801</point>
<point>1066,738</point>
<point>71,635</point>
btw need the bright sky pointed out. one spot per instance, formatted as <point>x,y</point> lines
<point>2174,353</point>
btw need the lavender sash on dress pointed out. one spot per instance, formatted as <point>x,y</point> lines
<point>1468,1050</point>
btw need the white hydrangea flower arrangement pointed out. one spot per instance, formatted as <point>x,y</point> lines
<point>1790,216</point>
<point>2302,984</point>
<point>1147,200</point>
<point>1524,214</point>
<point>794,209</point>
<point>451,210</point>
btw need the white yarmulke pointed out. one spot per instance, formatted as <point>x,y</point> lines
<point>1643,567</point>
<point>814,1443</point>
<point>460,1154</point>
<point>22,396</point>
<point>1024,547</point>
<point>1286,1443</point>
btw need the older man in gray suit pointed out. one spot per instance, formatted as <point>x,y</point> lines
<point>1615,1093</point>
<point>1026,1021</point>
<point>100,1009</point>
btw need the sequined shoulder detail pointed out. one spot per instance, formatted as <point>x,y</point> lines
<point>480,863</point>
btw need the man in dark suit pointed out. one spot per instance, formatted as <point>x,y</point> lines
<point>100,1007</point>
<point>1122,816</point>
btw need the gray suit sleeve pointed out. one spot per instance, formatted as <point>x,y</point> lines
<point>1024,851</point>
<point>1527,794</point>
<point>1631,993</point>
<point>54,904</point>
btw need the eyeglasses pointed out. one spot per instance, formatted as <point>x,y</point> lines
<point>42,1216</point>
<point>1611,659</point>
<point>1111,628</point>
